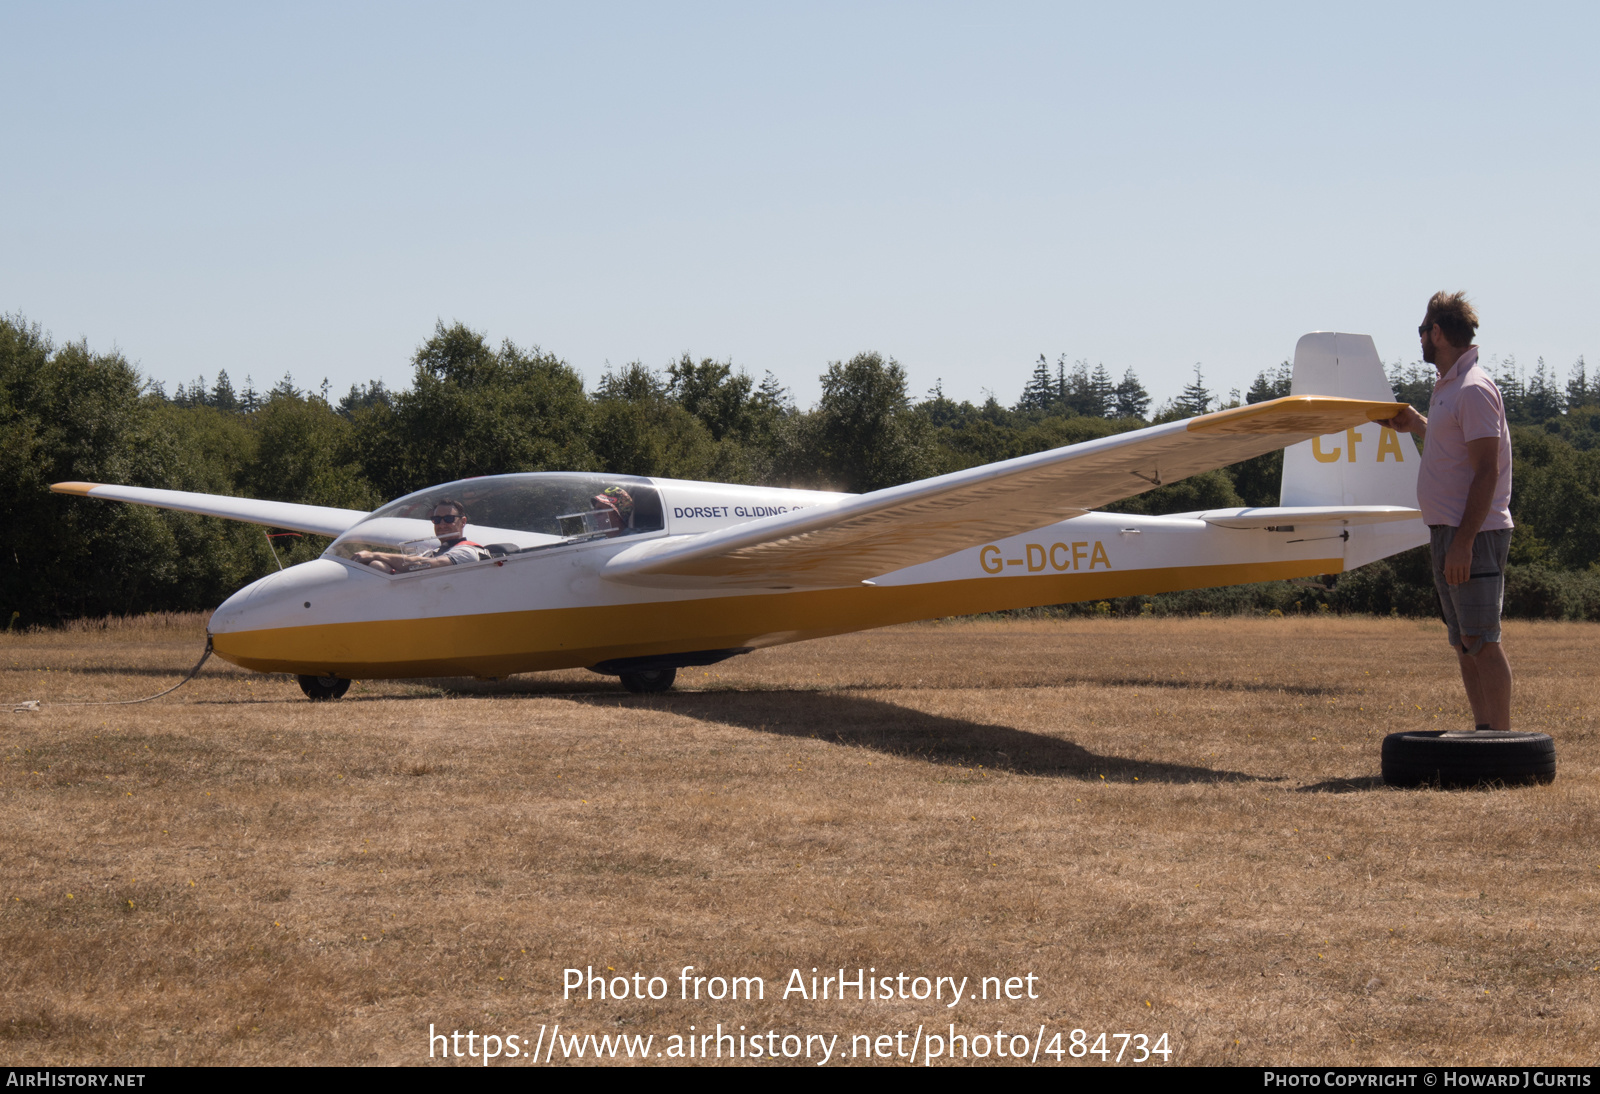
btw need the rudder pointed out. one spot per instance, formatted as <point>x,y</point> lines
<point>1366,465</point>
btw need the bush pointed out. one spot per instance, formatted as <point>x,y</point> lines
<point>1541,592</point>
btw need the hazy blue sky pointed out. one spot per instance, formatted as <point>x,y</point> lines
<point>273,188</point>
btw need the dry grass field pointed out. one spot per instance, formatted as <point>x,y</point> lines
<point>1176,826</point>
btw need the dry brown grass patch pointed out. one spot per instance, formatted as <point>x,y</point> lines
<point>1177,825</point>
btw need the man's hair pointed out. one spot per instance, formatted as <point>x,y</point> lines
<point>1455,316</point>
<point>453,503</point>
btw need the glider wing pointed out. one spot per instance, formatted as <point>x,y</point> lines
<point>319,520</point>
<point>861,537</point>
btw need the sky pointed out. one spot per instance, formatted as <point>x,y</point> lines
<point>310,189</point>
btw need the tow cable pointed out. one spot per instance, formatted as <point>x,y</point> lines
<point>28,705</point>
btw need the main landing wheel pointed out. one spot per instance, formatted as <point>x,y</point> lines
<point>649,681</point>
<point>321,688</point>
<point>1431,758</point>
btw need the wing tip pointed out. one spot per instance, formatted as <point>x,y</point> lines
<point>1289,414</point>
<point>79,488</point>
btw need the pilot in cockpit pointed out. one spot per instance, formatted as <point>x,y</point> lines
<point>449,523</point>
<point>614,505</point>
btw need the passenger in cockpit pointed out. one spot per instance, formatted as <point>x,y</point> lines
<point>449,522</point>
<point>616,508</point>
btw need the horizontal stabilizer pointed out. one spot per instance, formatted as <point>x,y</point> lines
<point>320,520</point>
<point>1278,516</point>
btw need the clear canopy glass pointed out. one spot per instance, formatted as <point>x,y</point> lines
<point>511,514</point>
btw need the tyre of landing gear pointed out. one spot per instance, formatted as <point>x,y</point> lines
<point>1429,758</point>
<point>649,681</point>
<point>321,688</point>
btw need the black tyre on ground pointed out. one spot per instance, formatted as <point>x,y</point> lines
<point>651,680</point>
<point>321,688</point>
<point>1429,758</point>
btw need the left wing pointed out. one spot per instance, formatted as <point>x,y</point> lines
<point>861,537</point>
<point>321,520</point>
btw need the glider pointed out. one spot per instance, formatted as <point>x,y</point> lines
<point>691,573</point>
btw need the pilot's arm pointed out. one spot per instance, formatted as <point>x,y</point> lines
<point>399,564</point>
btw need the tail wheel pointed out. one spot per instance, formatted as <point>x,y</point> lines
<point>321,688</point>
<point>649,681</point>
<point>1430,758</point>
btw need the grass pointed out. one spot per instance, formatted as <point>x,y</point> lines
<point>1175,825</point>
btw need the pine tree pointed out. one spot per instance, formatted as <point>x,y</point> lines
<point>1513,390</point>
<point>1271,383</point>
<point>771,393</point>
<point>191,395</point>
<point>1082,396</point>
<point>1103,391</point>
<point>1039,393</point>
<point>1413,384</point>
<point>1196,398</point>
<point>1544,400</point>
<point>1132,399</point>
<point>364,395</point>
<point>222,396</point>
<point>1579,391</point>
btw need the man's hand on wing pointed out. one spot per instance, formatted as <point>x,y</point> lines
<point>1407,421</point>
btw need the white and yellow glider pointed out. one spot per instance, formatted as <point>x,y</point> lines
<point>702,571</point>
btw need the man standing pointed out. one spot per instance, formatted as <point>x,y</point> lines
<point>1464,491</point>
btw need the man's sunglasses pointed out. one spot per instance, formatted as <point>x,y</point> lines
<point>451,519</point>
<point>1424,329</point>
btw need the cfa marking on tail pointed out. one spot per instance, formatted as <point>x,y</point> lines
<point>1388,443</point>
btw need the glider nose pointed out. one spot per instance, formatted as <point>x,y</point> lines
<point>301,596</point>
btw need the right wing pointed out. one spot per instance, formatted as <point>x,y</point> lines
<point>861,537</point>
<point>320,520</point>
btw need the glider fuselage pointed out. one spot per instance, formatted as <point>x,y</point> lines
<point>555,606</point>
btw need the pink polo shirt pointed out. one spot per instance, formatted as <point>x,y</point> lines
<point>1466,407</point>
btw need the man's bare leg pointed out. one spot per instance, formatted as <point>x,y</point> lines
<point>1487,677</point>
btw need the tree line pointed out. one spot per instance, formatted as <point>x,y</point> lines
<point>474,408</point>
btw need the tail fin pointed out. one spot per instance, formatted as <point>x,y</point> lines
<point>1368,465</point>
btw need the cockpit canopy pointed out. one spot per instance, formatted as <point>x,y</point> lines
<point>511,514</point>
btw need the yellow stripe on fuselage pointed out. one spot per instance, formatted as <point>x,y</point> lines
<point>503,643</point>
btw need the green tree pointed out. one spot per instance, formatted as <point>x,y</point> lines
<point>1207,490</point>
<point>1196,398</point>
<point>474,410</point>
<point>638,429</point>
<point>1271,384</point>
<point>1413,384</point>
<point>1555,500</point>
<point>362,396</point>
<point>1041,391</point>
<point>1581,391</point>
<point>222,395</point>
<point>306,452</point>
<point>1545,400</point>
<point>69,414</point>
<point>1133,401</point>
<point>864,434</point>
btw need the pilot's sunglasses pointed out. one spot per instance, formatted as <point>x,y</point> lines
<point>451,519</point>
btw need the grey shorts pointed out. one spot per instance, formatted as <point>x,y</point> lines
<point>1473,607</point>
